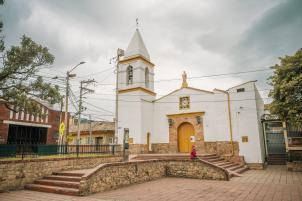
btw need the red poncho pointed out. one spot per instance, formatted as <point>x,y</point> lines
<point>193,154</point>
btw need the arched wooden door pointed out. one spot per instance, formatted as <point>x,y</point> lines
<point>185,131</point>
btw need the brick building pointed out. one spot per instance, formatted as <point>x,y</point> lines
<point>22,127</point>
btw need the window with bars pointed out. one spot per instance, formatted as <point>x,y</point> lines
<point>129,75</point>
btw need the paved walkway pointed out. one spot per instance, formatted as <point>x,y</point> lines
<point>272,184</point>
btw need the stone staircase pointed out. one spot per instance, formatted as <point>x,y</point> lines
<point>234,169</point>
<point>66,183</point>
<point>276,159</point>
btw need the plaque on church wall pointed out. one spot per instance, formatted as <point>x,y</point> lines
<point>130,140</point>
<point>244,139</point>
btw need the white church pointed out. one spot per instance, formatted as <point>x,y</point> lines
<point>219,121</point>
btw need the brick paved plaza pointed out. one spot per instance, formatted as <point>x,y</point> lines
<point>272,184</point>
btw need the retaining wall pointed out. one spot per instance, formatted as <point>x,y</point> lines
<point>112,176</point>
<point>15,174</point>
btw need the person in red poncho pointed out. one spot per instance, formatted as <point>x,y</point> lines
<point>193,153</point>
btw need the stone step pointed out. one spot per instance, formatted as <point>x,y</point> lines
<point>72,174</point>
<point>234,168</point>
<point>62,178</point>
<point>229,165</point>
<point>66,184</point>
<point>276,159</point>
<point>221,163</point>
<point>279,162</point>
<point>241,170</point>
<point>210,157</point>
<point>234,174</point>
<point>215,160</point>
<point>52,189</point>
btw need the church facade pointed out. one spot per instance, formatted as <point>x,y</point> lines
<point>224,122</point>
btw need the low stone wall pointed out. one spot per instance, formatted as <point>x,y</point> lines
<point>255,166</point>
<point>195,169</point>
<point>112,176</point>
<point>15,174</point>
<point>138,148</point>
<point>294,166</point>
<point>160,148</point>
<point>221,148</point>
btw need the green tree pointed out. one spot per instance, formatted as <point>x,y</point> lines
<point>19,84</point>
<point>1,26</point>
<point>287,88</point>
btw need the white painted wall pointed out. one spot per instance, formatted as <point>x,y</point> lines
<point>245,122</point>
<point>260,112</point>
<point>214,120</point>
<point>129,116</point>
<point>147,121</point>
<point>136,114</point>
<point>142,116</point>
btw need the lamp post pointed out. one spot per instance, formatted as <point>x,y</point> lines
<point>68,75</point>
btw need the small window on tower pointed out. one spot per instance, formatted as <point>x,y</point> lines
<point>129,75</point>
<point>184,102</point>
<point>147,77</point>
<point>240,90</point>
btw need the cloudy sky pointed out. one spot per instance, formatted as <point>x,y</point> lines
<point>202,37</point>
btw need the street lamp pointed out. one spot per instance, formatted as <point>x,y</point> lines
<point>68,75</point>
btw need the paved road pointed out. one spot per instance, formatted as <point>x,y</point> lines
<point>272,184</point>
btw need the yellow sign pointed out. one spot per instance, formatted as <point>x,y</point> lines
<point>62,128</point>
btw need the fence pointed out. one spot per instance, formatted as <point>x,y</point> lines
<point>294,131</point>
<point>32,150</point>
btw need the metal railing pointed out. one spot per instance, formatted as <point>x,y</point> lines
<point>36,150</point>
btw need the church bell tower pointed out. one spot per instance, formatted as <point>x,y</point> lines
<point>136,71</point>
<point>135,93</point>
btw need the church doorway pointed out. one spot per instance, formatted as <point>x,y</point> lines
<point>185,135</point>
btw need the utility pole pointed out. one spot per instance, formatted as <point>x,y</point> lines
<point>83,91</point>
<point>90,130</point>
<point>66,109</point>
<point>61,117</point>
<point>68,75</point>
<point>120,53</point>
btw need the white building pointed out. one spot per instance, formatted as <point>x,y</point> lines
<point>225,122</point>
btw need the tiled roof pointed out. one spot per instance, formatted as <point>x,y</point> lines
<point>95,126</point>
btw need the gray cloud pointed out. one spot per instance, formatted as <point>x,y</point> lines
<point>276,33</point>
<point>202,37</point>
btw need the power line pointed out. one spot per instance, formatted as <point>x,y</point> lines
<point>95,110</point>
<point>97,117</point>
<point>204,76</point>
<point>172,79</point>
<point>96,73</point>
<point>98,107</point>
<point>209,101</point>
<point>188,94</point>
